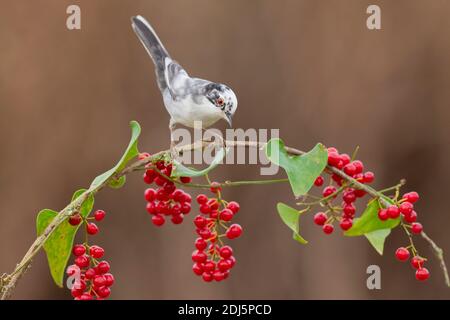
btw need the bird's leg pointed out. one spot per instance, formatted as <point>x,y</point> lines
<point>172,141</point>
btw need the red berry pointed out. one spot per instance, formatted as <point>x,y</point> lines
<point>417,262</point>
<point>215,187</point>
<point>233,206</point>
<point>328,228</point>
<point>99,281</point>
<point>104,292</point>
<point>207,276</point>
<point>96,252</point>
<point>411,196</point>
<point>209,266</point>
<point>332,149</point>
<point>90,273</point>
<point>349,197</point>
<point>92,228</point>
<point>150,194</point>
<point>234,231</point>
<point>199,256</point>
<point>402,254</point>
<point>226,252</point>
<point>406,207</point>
<point>345,158</point>
<point>205,209</point>
<point>78,250</point>
<point>349,210</point>
<point>350,169</point>
<point>393,212</point>
<point>86,296</point>
<point>412,217</point>
<point>158,220</point>
<point>200,244</point>
<point>226,215</point>
<point>99,215</point>
<point>75,219</point>
<point>201,199</point>
<point>346,224</point>
<point>218,275</point>
<point>151,208</point>
<point>329,190</point>
<point>359,166</point>
<point>319,181</point>
<point>416,227</point>
<point>204,233</point>
<point>213,204</point>
<point>368,177</point>
<point>200,221</point>
<point>223,265</point>
<point>185,208</point>
<point>359,193</point>
<point>383,214</point>
<point>82,261</point>
<point>333,158</point>
<point>198,269</point>
<point>185,179</point>
<point>103,267</point>
<point>320,218</point>
<point>422,274</point>
<point>177,219</point>
<point>147,179</point>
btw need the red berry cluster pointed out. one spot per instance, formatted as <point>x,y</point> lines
<point>345,212</point>
<point>417,262</point>
<point>404,208</point>
<point>213,260</point>
<point>92,277</point>
<point>166,200</point>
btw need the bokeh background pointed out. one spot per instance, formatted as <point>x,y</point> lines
<point>310,68</point>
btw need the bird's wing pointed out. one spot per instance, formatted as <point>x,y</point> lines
<point>179,83</point>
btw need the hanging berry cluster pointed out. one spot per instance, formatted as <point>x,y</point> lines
<point>213,259</point>
<point>166,200</point>
<point>92,279</point>
<point>404,208</point>
<point>344,211</point>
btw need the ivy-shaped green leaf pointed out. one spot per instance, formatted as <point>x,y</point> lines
<point>291,217</point>
<point>58,246</point>
<point>130,153</point>
<point>377,238</point>
<point>369,221</point>
<point>302,170</point>
<point>180,170</point>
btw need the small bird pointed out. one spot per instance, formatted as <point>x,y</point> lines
<point>186,99</point>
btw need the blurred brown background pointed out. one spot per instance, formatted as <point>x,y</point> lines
<point>310,68</point>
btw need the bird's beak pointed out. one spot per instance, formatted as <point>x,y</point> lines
<point>228,118</point>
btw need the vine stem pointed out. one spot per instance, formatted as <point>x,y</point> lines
<point>9,281</point>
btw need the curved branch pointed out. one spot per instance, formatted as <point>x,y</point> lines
<point>9,281</point>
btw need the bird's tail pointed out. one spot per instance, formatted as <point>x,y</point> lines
<point>153,45</point>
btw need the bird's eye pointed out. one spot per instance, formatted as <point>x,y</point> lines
<point>220,101</point>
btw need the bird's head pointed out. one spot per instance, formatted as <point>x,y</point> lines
<point>223,98</point>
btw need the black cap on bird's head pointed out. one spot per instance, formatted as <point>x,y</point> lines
<point>222,97</point>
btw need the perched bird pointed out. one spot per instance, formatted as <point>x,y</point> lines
<point>186,99</point>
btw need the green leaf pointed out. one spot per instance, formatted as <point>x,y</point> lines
<point>290,217</point>
<point>130,153</point>
<point>301,170</point>
<point>181,171</point>
<point>377,238</point>
<point>58,246</point>
<point>369,221</point>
